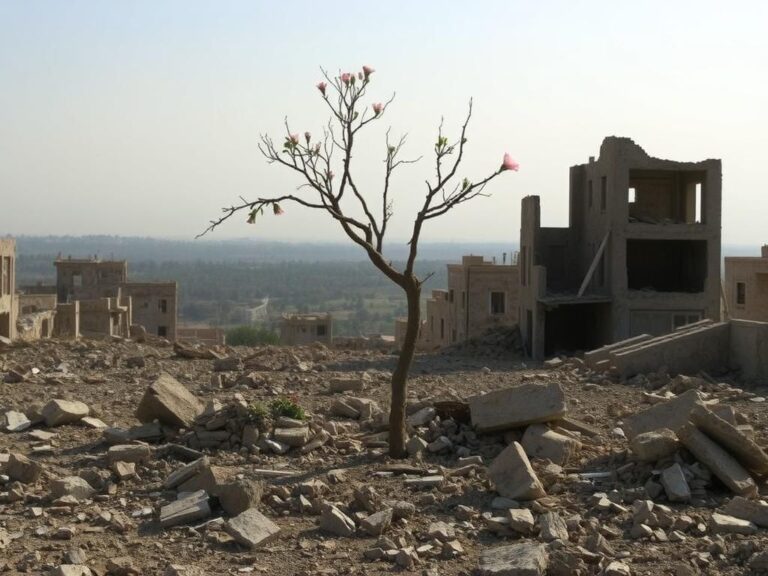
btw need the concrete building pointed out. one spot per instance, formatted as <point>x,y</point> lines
<point>481,295</point>
<point>746,286</point>
<point>8,304</point>
<point>301,329</point>
<point>641,253</point>
<point>110,303</point>
<point>208,335</point>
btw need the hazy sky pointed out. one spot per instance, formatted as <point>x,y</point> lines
<point>143,117</point>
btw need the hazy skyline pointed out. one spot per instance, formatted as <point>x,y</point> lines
<point>143,118</point>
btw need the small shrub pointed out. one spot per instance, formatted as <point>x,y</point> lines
<point>251,336</point>
<point>258,414</point>
<point>287,407</point>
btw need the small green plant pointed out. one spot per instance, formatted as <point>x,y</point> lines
<point>287,407</point>
<point>258,413</point>
<point>251,336</point>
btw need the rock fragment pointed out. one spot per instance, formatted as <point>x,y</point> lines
<point>513,476</point>
<point>169,402</point>
<point>252,529</point>
<point>520,559</point>
<point>517,407</point>
<point>59,412</point>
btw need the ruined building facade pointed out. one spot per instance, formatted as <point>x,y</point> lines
<point>301,329</point>
<point>746,286</point>
<point>8,304</point>
<point>481,295</point>
<point>641,253</point>
<point>109,303</point>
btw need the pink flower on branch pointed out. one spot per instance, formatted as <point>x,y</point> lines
<point>367,71</point>
<point>377,108</point>
<point>277,211</point>
<point>307,137</point>
<point>294,138</point>
<point>509,163</point>
<point>322,86</point>
<point>345,77</point>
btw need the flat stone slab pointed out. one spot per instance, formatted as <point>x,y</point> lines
<point>672,414</point>
<point>723,524</point>
<point>755,511</point>
<point>187,509</point>
<point>16,421</point>
<point>517,407</point>
<point>293,437</point>
<point>521,559</point>
<point>252,529</point>
<point>539,441</point>
<point>59,412</point>
<point>720,462</point>
<point>513,476</point>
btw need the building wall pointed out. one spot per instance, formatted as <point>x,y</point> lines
<point>752,275</point>
<point>302,329</point>
<point>438,320</point>
<point>154,306</point>
<point>67,321</point>
<point>30,303</point>
<point>8,304</point>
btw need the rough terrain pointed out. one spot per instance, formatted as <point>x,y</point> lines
<point>86,489</point>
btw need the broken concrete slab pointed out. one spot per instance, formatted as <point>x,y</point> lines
<point>724,524</point>
<point>512,475</point>
<point>252,529</point>
<point>16,421</point>
<point>135,453</point>
<point>675,484</point>
<point>520,559</point>
<point>539,441</point>
<point>521,520</point>
<point>190,508</point>
<point>672,414</point>
<point>654,445</point>
<point>756,511</point>
<point>181,475</point>
<point>552,527</point>
<point>293,437</point>
<point>169,402</point>
<point>59,412</point>
<point>722,464</point>
<point>377,523</point>
<point>729,437</point>
<point>517,407</point>
<point>72,486</point>
<point>22,469</point>
<point>336,522</point>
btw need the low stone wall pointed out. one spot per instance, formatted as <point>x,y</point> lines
<point>748,348</point>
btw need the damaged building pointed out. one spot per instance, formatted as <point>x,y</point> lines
<point>481,295</point>
<point>746,286</point>
<point>301,329</point>
<point>641,253</point>
<point>8,304</point>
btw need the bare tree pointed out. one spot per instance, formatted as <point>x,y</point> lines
<point>366,225</point>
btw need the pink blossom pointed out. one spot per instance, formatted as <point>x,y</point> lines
<point>345,77</point>
<point>367,71</point>
<point>307,137</point>
<point>294,138</point>
<point>329,175</point>
<point>377,108</point>
<point>509,163</point>
<point>322,86</point>
<point>277,210</point>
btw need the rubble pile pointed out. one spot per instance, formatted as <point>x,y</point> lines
<point>133,458</point>
<point>499,342</point>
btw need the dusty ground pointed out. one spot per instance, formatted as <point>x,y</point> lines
<point>96,373</point>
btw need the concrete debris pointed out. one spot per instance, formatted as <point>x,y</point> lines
<point>723,524</point>
<point>60,412</point>
<point>539,441</point>
<point>672,415</point>
<point>675,485</point>
<point>252,529</point>
<point>513,476</point>
<point>190,508</point>
<point>755,511</point>
<point>336,522</point>
<point>73,486</point>
<point>654,445</point>
<point>169,402</point>
<point>16,421</point>
<point>517,407</point>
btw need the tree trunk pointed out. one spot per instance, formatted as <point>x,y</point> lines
<point>397,432</point>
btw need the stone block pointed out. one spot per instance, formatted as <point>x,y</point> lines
<point>720,463</point>
<point>724,524</point>
<point>519,559</point>
<point>135,453</point>
<point>377,523</point>
<point>512,475</point>
<point>552,527</point>
<point>654,445</point>
<point>252,529</point>
<point>346,384</point>
<point>169,402</point>
<point>336,522</point>
<point>672,414</point>
<point>675,485</point>
<point>186,472</point>
<point>60,412</point>
<point>521,520</point>
<point>539,441</point>
<point>16,421</point>
<point>22,469</point>
<point>517,407</point>
<point>293,437</point>
<point>756,511</point>
<point>239,495</point>
<point>73,486</point>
